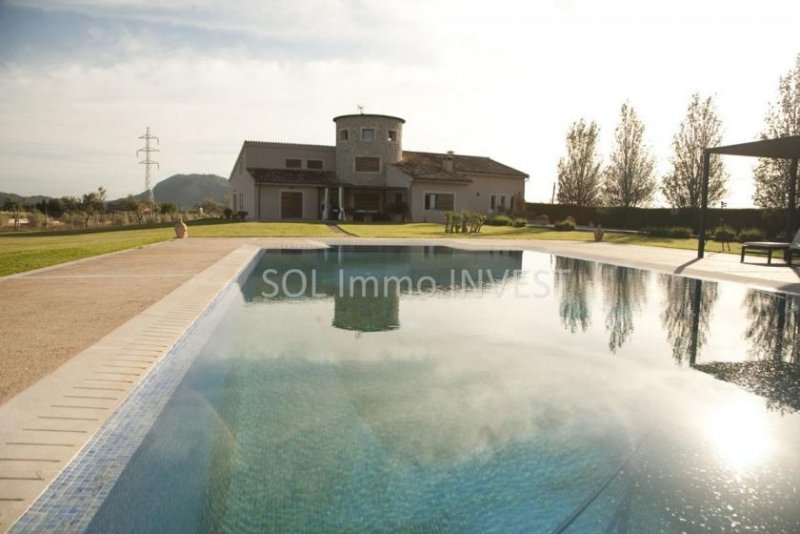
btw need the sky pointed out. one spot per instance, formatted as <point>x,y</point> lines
<point>80,80</point>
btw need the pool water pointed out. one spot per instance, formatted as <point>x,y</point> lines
<point>494,392</point>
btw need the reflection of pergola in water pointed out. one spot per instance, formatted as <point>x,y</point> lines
<point>780,148</point>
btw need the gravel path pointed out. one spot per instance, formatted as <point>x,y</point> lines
<point>52,314</point>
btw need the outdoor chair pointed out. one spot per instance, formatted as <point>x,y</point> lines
<point>771,246</point>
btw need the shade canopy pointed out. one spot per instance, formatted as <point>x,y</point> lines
<point>780,148</point>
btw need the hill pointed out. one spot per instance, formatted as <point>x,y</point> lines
<point>189,190</point>
<point>25,201</point>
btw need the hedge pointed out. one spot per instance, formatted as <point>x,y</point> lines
<point>770,222</point>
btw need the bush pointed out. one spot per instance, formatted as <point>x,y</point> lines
<point>751,234</point>
<point>656,231</point>
<point>541,220</point>
<point>677,232</point>
<point>498,220</point>
<point>227,214</point>
<point>519,222</point>
<point>241,215</point>
<point>680,232</point>
<point>566,225</point>
<point>724,234</point>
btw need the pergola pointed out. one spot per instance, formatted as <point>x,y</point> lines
<point>780,148</point>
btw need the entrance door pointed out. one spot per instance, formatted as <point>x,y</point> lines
<point>291,205</point>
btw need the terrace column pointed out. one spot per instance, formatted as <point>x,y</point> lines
<point>701,233</point>
<point>325,205</point>
<point>791,208</point>
<point>341,203</point>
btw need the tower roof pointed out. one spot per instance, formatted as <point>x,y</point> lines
<point>369,115</point>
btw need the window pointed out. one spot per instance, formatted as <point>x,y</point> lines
<point>392,135</point>
<point>344,134</point>
<point>440,201</point>
<point>367,134</point>
<point>502,202</point>
<point>294,163</point>
<point>235,205</point>
<point>492,202</point>
<point>368,164</point>
<point>314,164</point>
<point>511,204</point>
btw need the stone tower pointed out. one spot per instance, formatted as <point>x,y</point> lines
<point>365,145</point>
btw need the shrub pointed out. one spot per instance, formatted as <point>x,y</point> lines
<point>680,232</point>
<point>241,215</point>
<point>677,232</point>
<point>227,213</point>
<point>724,234</point>
<point>566,225</point>
<point>751,234</point>
<point>656,231</point>
<point>499,220</point>
<point>519,222</point>
<point>541,220</point>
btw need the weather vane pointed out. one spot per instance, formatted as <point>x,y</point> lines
<point>361,108</point>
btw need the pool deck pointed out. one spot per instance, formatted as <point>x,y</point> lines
<point>77,338</point>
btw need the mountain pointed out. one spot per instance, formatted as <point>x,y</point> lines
<point>189,190</point>
<point>25,201</point>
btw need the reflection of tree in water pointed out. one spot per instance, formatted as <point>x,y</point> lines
<point>573,280</point>
<point>624,294</point>
<point>774,331</point>
<point>686,314</point>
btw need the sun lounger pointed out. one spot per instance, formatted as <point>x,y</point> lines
<point>771,246</point>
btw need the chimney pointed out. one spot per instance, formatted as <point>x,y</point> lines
<point>448,161</point>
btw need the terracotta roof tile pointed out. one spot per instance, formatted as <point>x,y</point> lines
<point>430,166</point>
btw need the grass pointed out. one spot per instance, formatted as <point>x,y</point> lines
<point>432,230</point>
<point>25,251</point>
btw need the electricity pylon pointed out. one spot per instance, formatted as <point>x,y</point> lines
<point>148,163</point>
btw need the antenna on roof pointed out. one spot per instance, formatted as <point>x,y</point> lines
<point>361,108</point>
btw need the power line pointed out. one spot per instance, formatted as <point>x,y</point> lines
<point>148,163</point>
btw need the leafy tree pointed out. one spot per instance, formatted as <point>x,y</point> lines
<point>93,204</point>
<point>628,180</point>
<point>700,129</point>
<point>783,119</point>
<point>579,170</point>
<point>212,207</point>
<point>130,203</point>
<point>167,208</point>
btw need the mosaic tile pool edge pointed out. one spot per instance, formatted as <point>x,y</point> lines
<point>70,502</point>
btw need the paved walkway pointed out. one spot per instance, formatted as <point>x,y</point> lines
<point>52,314</point>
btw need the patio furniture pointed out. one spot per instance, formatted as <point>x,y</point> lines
<point>771,246</point>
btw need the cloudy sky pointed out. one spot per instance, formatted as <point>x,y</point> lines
<point>81,79</point>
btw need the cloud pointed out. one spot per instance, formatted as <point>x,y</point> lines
<point>80,80</point>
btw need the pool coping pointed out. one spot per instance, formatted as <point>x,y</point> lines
<point>47,426</point>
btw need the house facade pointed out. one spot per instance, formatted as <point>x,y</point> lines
<point>367,175</point>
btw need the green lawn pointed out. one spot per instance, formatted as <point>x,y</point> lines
<point>431,230</point>
<point>24,251</point>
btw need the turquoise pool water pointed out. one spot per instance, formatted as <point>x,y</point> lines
<point>495,392</point>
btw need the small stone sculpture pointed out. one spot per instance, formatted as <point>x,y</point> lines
<point>598,233</point>
<point>181,230</point>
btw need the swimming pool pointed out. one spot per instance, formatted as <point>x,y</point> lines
<point>434,389</point>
